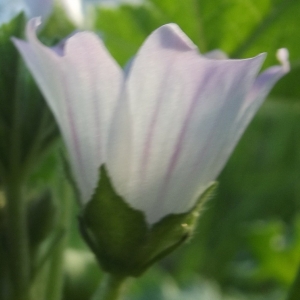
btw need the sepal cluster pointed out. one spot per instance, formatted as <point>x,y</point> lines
<point>121,239</point>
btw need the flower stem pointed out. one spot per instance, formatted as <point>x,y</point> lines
<point>111,288</point>
<point>16,206</point>
<point>55,276</point>
<point>294,293</point>
<point>17,238</point>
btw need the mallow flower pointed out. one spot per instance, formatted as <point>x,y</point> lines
<point>164,127</point>
<point>145,142</point>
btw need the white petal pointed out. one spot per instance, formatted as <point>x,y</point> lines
<point>259,91</point>
<point>180,106</point>
<point>81,87</point>
<point>119,153</point>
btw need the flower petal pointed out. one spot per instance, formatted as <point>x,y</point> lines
<point>259,91</point>
<point>81,86</point>
<point>119,153</point>
<point>181,104</point>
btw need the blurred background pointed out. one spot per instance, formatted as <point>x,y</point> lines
<point>247,245</point>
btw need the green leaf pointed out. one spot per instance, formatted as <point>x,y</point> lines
<point>132,24</point>
<point>27,127</point>
<point>42,214</point>
<point>240,28</point>
<point>130,27</point>
<point>57,27</point>
<point>278,254</point>
<point>9,57</point>
<point>276,30</point>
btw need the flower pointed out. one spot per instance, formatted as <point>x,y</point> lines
<point>164,127</point>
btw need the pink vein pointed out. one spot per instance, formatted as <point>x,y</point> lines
<point>179,145</point>
<point>153,123</point>
<point>89,63</point>
<point>74,135</point>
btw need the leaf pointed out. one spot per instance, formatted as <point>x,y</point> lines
<point>278,254</point>
<point>241,28</point>
<point>27,127</point>
<point>132,24</point>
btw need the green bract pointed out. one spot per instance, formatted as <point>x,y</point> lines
<point>120,237</point>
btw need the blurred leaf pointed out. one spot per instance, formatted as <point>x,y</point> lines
<point>132,24</point>
<point>240,28</point>
<point>82,274</point>
<point>42,214</point>
<point>27,127</point>
<point>278,29</point>
<point>130,27</point>
<point>8,80</point>
<point>278,253</point>
<point>288,88</point>
<point>57,27</point>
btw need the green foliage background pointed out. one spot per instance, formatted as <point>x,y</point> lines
<point>247,245</point>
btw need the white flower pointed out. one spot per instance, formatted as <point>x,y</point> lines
<point>165,127</point>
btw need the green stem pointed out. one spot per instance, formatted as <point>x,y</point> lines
<point>55,276</point>
<point>18,248</point>
<point>294,293</point>
<point>16,206</point>
<point>111,288</point>
<point>201,36</point>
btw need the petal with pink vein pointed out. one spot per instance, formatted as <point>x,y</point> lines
<point>82,87</point>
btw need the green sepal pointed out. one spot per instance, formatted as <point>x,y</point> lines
<point>120,237</point>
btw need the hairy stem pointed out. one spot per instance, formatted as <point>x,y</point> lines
<point>55,276</point>
<point>17,240</point>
